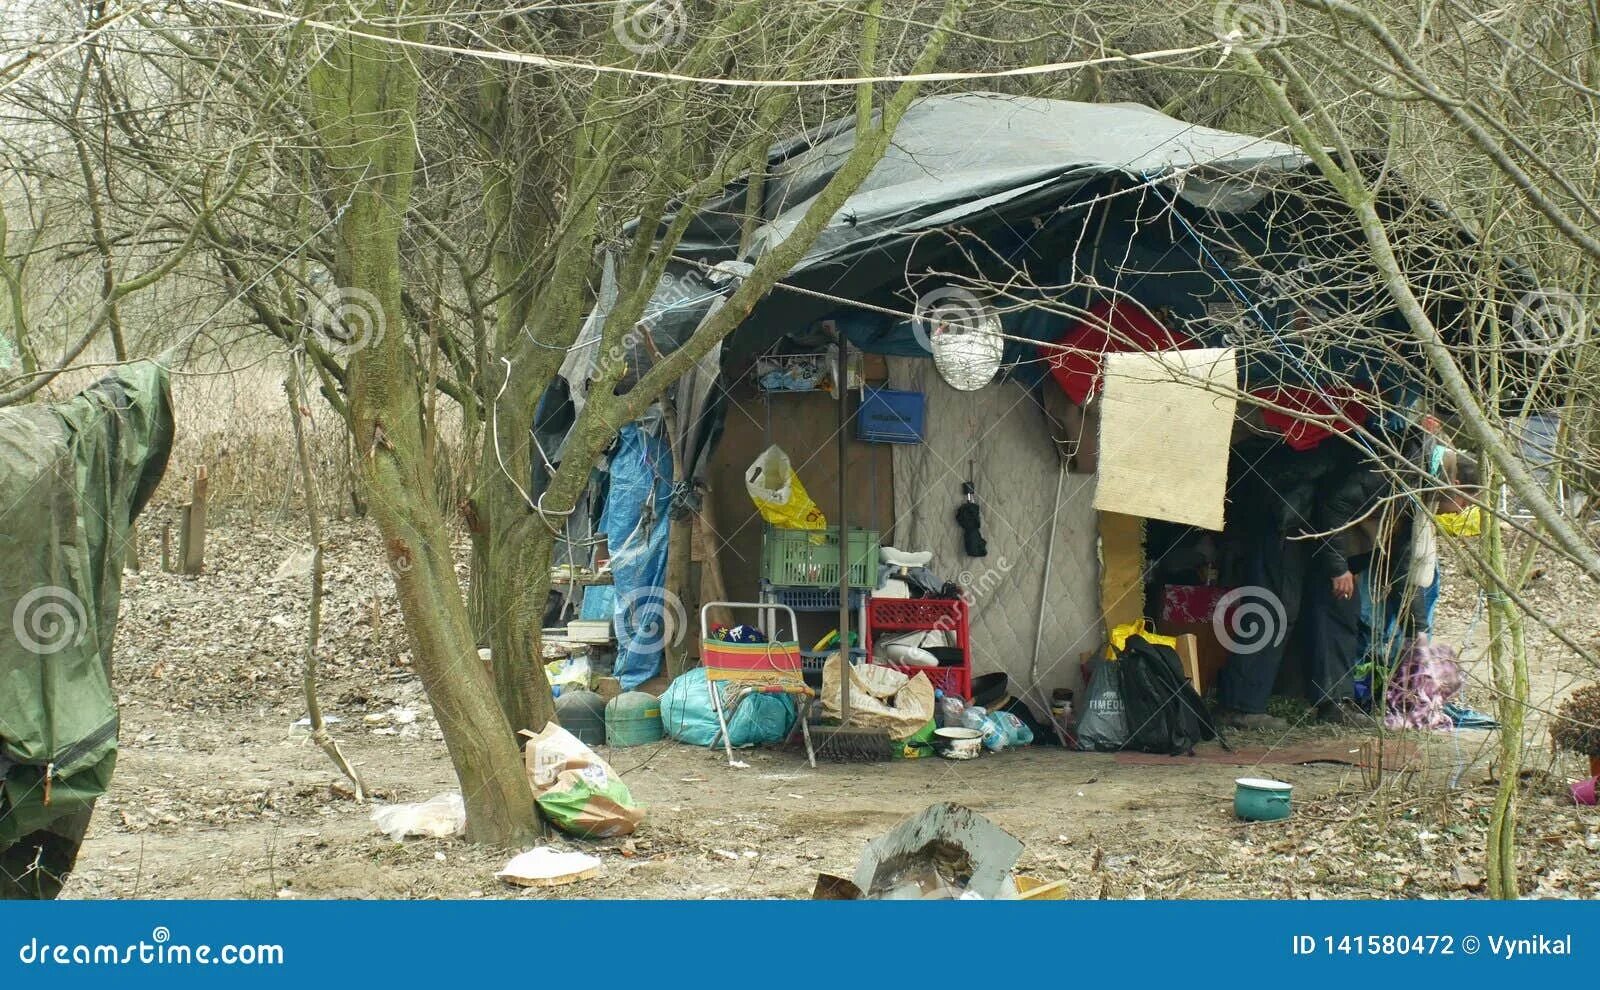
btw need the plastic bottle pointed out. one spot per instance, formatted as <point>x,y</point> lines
<point>948,710</point>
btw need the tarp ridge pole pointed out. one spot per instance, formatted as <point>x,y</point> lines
<point>841,385</point>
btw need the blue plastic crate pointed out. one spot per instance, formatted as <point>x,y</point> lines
<point>890,416</point>
<point>814,599</point>
<point>815,659</point>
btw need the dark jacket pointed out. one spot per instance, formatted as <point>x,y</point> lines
<point>1347,496</point>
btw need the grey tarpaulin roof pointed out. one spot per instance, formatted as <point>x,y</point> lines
<point>955,156</point>
<point>957,159</point>
<point>998,168</point>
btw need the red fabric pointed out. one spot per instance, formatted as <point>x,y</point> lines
<point>1301,434</point>
<point>1111,328</point>
<point>1188,603</point>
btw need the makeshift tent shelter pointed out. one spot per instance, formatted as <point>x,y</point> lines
<point>73,477</point>
<point>1071,206</point>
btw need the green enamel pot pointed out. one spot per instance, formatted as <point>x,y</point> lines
<point>1259,800</point>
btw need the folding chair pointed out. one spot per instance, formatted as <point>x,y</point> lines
<point>773,667</point>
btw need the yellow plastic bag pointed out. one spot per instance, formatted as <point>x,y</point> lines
<point>1120,634</point>
<point>1468,523</point>
<point>778,494</point>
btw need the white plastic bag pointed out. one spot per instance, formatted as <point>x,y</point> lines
<point>439,817</point>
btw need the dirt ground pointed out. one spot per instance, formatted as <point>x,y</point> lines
<point>218,795</point>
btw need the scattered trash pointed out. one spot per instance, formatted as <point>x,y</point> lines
<point>572,672</point>
<point>1034,889</point>
<point>295,567</point>
<point>576,789</point>
<point>945,852</point>
<point>547,867</point>
<point>779,496</point>
<point>439,817</point>
<point>880,698</point>
<point>687,714</point>
<point>1466,718</point>
<point>1583,792</point>
<point>998,730</point>
<point>304,723</point>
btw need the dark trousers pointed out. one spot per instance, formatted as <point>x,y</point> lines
<point>1275,570</point>
<point>1331,643</point>
<point>1324,631</point>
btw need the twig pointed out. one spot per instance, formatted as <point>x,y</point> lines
<point>308,676</point>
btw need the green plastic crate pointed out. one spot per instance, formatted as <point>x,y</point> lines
<point>808,558</point>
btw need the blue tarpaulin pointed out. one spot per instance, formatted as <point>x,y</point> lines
<point>635,526</point>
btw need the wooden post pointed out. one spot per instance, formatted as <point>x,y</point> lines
<point>131,558</point>
<point>841,383</point>
<point>166,546</point>
<point>1188,651</point>
<point>192,528</point>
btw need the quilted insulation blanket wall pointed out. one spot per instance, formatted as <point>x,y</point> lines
<point>1002,432</point>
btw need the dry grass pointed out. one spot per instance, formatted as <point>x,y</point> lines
<point>237,427</point>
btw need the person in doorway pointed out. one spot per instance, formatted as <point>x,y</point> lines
<point>1301,547</point>
<point>1401,592</point>
<point>1344,537</point>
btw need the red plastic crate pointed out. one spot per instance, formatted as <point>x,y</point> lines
<point>956,681</point>
<point>926,614</point>
<point>917,614</point>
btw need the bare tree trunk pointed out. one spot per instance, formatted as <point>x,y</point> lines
<point>363,101</point>
<point>1508,665</point>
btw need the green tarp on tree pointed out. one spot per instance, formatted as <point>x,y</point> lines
<point>73,477</point>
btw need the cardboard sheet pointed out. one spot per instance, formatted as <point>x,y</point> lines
<point>1165,425</point>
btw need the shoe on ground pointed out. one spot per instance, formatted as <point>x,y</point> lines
<point>1344,713</point>
<point>1253,721</point>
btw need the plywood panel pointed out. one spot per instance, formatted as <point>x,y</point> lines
<point>1165,425</point>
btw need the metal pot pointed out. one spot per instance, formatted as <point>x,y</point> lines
<point>958,743</point>
<point>1259,800</point>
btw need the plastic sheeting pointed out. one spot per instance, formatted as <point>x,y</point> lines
<point>635,525</point>
<point>73,477</point>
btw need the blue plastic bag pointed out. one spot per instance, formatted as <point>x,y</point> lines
<point>688,717</point>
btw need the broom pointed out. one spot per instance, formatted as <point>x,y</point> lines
<point>852,744</point>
